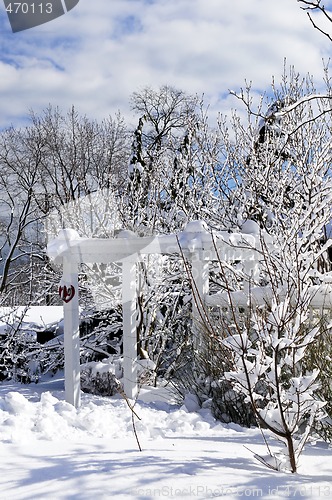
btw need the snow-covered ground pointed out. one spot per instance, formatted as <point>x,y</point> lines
<point>49,450</point>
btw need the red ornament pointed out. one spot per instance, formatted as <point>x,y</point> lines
<point>66,293</point>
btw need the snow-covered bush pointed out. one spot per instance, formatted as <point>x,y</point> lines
<point>283,187</point>
<point>100,334</point>
<point>18,348</point>
<point>101,378</point>
<point>319,356</point>
<point>268,370</point>
<point>164,314</point>
<point>24,359</point>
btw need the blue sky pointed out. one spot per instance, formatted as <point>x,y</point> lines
<point>99,53</point>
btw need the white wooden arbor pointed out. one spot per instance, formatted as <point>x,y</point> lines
<point>196,243</point>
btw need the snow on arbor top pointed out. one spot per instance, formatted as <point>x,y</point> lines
<point>250,227</point>
<point>128,246</point>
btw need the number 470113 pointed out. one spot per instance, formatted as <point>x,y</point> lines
<point>29,8</point>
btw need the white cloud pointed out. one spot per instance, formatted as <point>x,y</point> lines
<point>103,50</point>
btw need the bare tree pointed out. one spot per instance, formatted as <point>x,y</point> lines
<point>80,155</point>
<point>54,160</point>
<point>166,112</point>
<point>20,159</point>
<point>317,6</point>
<point>176,171</point>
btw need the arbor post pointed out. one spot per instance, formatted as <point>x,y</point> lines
<point>129,300</point>
<point>200,288</point>
<point>69,293</point>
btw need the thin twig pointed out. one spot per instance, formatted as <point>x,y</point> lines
<point>133,414</point>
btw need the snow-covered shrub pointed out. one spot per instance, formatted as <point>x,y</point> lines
<point>165,317</point>
<point>105,377</point>
<point>284,187</point>
<point>18,348</point>
<point>146,371</point>
<point>269,372</point>
<point>23,359</point>
<point>267,342</point>
<point>319,356</point>
<point>227,405</point>
<point>201,371</point>
<point>101,378</point>
<point>100,334</point>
